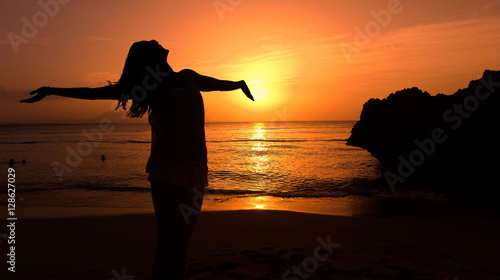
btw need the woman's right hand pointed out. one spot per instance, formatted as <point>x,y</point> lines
<point>39,95</point>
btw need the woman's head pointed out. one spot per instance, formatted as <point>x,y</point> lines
<point>137,82</point>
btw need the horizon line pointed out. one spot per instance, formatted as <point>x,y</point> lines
<point>87,123</point>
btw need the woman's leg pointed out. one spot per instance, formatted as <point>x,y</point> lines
<point>174,232</point>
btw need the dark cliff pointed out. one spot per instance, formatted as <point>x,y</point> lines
<point>450,142</point>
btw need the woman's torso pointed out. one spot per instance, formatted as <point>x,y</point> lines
<point>178,148</point>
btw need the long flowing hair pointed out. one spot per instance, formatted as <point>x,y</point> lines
<point>143,58</point>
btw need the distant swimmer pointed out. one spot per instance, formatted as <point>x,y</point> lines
<point>103,158</point>
<point>24,161</point>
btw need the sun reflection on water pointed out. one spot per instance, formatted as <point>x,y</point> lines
<point>260,158</point>
<point>261,202</point>
<point>259,131</point>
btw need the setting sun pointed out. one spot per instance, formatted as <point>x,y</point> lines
<point>259,91</point>
<point>291,53</point>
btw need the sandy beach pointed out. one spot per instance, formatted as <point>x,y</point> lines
<point>263,244</point>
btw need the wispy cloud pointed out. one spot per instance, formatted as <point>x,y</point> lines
<point>107,39</point>
<point>38,40</point>
<point>280,63</point>
<point>436,57</point>
<point>268,38</point>
<point>432,44</point>
<point>100,78</point>
<point>489,6</point>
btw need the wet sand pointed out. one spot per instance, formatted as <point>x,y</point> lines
<point>264,244</point>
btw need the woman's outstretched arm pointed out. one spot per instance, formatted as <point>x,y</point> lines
<point>108,92</point>
<point>205,83</point>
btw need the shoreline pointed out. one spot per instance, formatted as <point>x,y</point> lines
<point>349,206</point>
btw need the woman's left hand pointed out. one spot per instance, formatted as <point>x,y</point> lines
<point>246,90</point>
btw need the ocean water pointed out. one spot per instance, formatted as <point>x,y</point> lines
<point>247,161</point>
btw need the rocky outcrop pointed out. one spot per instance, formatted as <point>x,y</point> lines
<point>444,141</point>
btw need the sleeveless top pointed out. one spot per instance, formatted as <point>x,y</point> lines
<point>178,149</point>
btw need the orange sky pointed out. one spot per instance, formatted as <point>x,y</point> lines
<point>290,52</point>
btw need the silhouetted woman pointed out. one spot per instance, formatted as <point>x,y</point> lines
<point>177,165</point>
